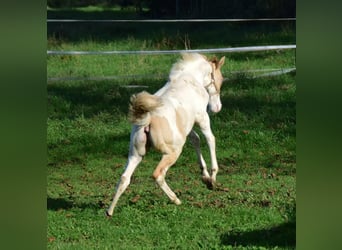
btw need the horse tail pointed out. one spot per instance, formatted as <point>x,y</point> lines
<point>140,107</point>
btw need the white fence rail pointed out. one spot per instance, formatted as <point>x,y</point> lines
<point>160,52</point>
<point>166,20</point>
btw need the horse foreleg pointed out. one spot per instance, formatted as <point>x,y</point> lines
<point>195,141</point>
<point>159,175</point>
<point>137,150</point>
<point>206,130</point>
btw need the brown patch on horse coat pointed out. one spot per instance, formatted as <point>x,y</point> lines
<point>181,117</point>
<point>161,134</point>
<point>164,164</point>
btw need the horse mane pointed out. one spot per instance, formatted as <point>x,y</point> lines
<point>184,64</point>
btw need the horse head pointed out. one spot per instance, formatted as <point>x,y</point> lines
<point>214,87</point>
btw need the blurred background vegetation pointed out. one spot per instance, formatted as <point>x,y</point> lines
<point>190,8</point>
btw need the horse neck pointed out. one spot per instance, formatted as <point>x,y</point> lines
<point>193,71</point>
<point>200,73</point>
<point>197,75</point>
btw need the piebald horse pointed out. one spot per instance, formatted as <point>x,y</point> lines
<point>166,119</point>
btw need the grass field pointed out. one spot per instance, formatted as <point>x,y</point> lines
<point>254,205</point>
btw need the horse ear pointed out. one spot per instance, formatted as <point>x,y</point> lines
<point>213,60</point>
<point>221,62</point>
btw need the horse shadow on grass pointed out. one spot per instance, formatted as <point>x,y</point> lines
<point>283,235</point>
<point>56,204</point>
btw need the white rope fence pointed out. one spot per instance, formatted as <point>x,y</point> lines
<point>165,20</point>
<point>164,52</point>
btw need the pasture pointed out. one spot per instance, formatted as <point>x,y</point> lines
<point>254,204</point>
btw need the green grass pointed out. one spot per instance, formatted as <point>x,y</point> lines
<point>158,65</point>
<point>254,204</point>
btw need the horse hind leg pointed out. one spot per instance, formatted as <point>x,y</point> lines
<point>125,180</point>
<point>195,141</point>
<point>136,152</point>
<point>159,175</point>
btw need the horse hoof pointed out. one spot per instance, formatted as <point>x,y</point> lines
<point>209,182</point>
<point>210,185</point>
<point>177,201</point>
<point>108,215</point>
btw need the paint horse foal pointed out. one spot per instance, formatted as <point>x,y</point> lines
<point>167,118</point>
